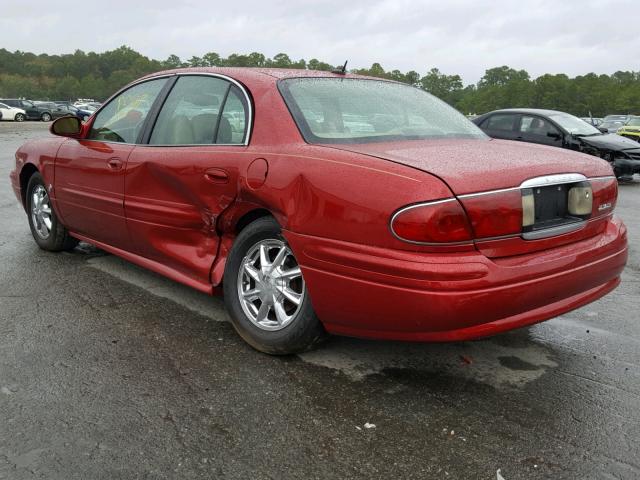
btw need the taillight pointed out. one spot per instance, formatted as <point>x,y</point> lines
<point>438,222</point>
<point>605,195</point>
<point>496,214</point>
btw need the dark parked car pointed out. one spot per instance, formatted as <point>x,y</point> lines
<point>33,111</point>
<point>611,126</point>
<point>70,109</point>
<point>56,109</point>
<point>559,129</point>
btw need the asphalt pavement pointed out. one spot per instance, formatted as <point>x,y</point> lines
<point>108,371</point>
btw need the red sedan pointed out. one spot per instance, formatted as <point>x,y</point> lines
<point>322,202</point>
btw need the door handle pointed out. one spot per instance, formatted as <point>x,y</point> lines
<point>216,175</point>
<point>114,164</point>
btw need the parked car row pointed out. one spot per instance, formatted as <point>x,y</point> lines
<point>560,129</point>
<point>19,110</point>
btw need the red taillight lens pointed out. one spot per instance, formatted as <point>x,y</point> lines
<point>605,196</point>
<point>496,214</point>
<point>442,221</point>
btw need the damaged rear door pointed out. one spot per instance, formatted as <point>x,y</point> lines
<point>186,173</point>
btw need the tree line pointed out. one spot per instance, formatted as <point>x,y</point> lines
<point>98,75</point>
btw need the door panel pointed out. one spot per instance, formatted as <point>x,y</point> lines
<point>89,173</point>
<point>173,197</point>
<point>536,129</point>
<point>89,186</point>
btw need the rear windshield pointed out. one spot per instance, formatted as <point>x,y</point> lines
<point>348,110</point>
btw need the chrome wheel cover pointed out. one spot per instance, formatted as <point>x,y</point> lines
<point>41,212</point>
<point>270,285</point>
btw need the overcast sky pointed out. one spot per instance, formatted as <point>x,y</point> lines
<point>457,36</point>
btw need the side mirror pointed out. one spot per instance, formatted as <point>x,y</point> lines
<point>603,129</point>
<point>554,135</point>
<point>66,127</point>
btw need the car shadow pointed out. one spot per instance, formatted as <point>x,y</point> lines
<point>513,359</point>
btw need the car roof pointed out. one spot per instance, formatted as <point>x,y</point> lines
<point>261,74</point>
<point>538,111</point>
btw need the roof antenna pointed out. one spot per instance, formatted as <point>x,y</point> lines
<point>341,70</point>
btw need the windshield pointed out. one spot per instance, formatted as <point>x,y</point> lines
<point>347,110</point>
<point>634,122</point>
<point>574,125</point>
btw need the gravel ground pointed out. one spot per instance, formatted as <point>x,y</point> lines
<point>108,371</point>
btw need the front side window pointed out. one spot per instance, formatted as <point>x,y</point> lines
<point>537,126</point>
<point>201,110</point>
<point>122,119</point>
<point>348,110</point>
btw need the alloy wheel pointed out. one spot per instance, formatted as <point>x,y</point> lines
<point>41,212</point>
<point>270,285</point>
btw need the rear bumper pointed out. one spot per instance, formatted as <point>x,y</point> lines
<point>364,291</point>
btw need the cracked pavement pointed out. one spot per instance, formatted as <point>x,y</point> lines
<point>108,371</point>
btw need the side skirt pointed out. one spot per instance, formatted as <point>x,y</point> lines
<point>152,265</point>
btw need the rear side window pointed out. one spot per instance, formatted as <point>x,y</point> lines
<point>201,110</point>
<point>499,122</point>
<point>122,119</point>
<point>234,118</point>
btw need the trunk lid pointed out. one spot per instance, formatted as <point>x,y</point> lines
<point>470,166</point>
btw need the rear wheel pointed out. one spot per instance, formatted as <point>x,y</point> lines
<point>47,231</point>
<point>266,295</point>
<point>19,117</point>
<point>46,117</point>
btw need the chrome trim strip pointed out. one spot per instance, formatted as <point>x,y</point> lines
<point>597,179</point>
<point>557,179</point>
<point>422,204</point>
<point>543,181</point>
<point>554,231</point>
<point>179,74</point>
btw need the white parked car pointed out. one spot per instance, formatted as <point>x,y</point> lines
<point>12,113</point>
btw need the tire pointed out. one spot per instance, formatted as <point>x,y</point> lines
<point>287,327</point>
<point>46,117</point>
<point>50,235</point>
<point>20,117</point>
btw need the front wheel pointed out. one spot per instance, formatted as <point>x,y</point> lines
<point>265,293</point>
<point>46,117</point>
<point>19,117</point>
<point>47,231</point>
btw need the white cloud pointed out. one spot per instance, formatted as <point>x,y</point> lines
<point>457,36</point>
